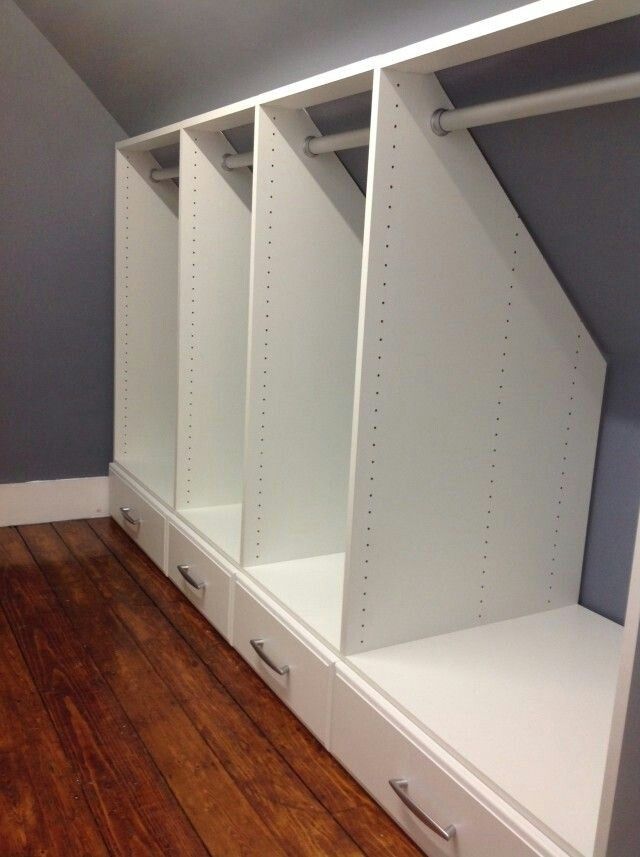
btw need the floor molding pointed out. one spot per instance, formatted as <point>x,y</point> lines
<point>53,500</point>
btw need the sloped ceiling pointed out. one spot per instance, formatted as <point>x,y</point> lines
<point>152,62</point>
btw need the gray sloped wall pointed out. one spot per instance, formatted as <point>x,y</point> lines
<point>56,269</point>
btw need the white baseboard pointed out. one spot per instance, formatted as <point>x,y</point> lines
<point>53,500</point>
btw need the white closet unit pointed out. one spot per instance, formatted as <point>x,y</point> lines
<point>359,434</point>
<point>215,239</point>
<point>307,259</point>
<point>146,323</point>
<point>478,415</point>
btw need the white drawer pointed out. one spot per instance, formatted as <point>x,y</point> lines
<point>200,578</point>
<point>305,685</point>
<point>375,749</point>
<point>148,529</point>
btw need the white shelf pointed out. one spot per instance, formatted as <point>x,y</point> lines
<point>219,524</point>
<point>311,588</point>
<point>155,474</point>
<point>526,704</point>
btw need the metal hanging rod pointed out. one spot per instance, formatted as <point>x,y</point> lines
<point>605,91</point>
<point>336,142</point>
<point>234,162</point>
<point>163,174</point>
<point>312,146</point>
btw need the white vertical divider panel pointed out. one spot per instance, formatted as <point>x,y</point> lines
<point>215,241</point>
<point>307,251</point>
<point>479,396</point>
<point>146,265</point>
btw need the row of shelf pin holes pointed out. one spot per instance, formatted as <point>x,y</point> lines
<point>193,332</point>
<point>376,409</point>
<point>125,339</point>
<point>265,369</point>
<point>496,436</point>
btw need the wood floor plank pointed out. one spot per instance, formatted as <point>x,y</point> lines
<point>322,774</point>
<point>42,808</point>
<point>325,778</point>
<point>217,808</point>
<point>301,824</point>
<point>133,807</point>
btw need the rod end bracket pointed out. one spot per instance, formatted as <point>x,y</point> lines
<point>306,148</point>
<point>436,125</point>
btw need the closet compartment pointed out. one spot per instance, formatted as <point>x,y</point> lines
<point>478,413</point>
<point>307,253</point>
<point>146,321</point>
<point>204,582</point>
<point>215,241</point>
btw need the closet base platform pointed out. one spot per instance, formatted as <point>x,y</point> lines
<point>218,524</point>
<point>310,588</point>
<point>157,475</point>
<point>525,704</point>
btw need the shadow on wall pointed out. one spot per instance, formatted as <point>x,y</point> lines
<point>613,520</point>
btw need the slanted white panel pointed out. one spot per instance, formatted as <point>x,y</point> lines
<point>479,400</point>
<point>215,235</point>
<point>526,704</point>
<point>305,283</point>
<point>146,323</point>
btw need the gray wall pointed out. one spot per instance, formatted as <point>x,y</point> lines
<point>56,277</point>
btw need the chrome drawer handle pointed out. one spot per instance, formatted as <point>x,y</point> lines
<point>401,788</point>
<point>258,647</point>
<point>184,571</point>
<point>126,514</point>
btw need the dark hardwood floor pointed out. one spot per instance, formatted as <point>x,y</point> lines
<point>128,726</point>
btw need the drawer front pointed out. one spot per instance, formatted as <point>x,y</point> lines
<point>203,582</point>
<point>148,532</point>
<point>375,751</point>
<point>305,685</point>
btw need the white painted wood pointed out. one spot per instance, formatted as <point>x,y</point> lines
<point>213,599</point>
<point>526,704</point>
<point>146,318</point>
<point>311,588</point>
<point>219,525</point>
<point>375,742</point>
<point>53,500</point>
<point>215,231</point>
<point>618,830</point>
<point>529,23</point>
<point>307,251</point>
<point>479,396</point>
<point>305,689</point>
<point>149,532</point>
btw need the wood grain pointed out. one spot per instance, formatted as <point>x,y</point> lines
<point>133,807</point>
<point>128,726</point>
<point>330,784</point>
<point>42,807</point>
<point>217,808</point>
<point>288,808</point>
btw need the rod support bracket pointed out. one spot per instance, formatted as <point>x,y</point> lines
<point>306,148</point>
<point>436,125</point>
<point>225,165</point>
